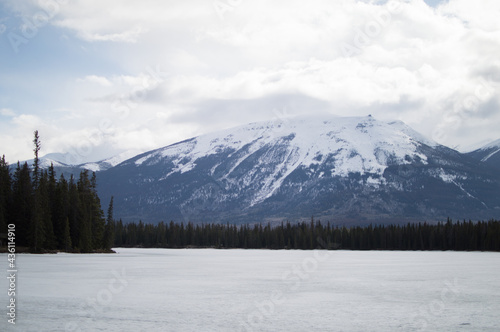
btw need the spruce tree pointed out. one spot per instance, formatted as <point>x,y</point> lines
<point>98,223</point>
<point>74,211</point>
<point>22,203</point>
<point>45,212</point>
<point>85,216</point>
<point>119,234</point>
<point>36,162</point>
<point>110,226</point>
<point>5,194</point>
<point>60,211</point>
<point>37,225</point>
<point>66,240</point>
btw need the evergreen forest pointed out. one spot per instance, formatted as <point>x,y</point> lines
<point>58,214</point>
<point>459,236</point>
<point>52,213</point>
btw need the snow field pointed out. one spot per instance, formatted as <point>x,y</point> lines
<point>257,290</point>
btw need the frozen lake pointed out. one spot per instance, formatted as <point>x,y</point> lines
<point>256,290</point>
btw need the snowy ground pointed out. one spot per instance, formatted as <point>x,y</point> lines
<point>256,290</point>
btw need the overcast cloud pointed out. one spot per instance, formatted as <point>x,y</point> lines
<point>100,77</point>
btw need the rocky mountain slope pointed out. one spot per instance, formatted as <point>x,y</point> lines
<point>488,154</point>
<point>357,169</point>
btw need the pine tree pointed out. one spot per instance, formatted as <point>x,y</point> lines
<point>119,233</point>
<point>85,239</point>
<point>98,223</point>
<point>74,212</point>
<point>5,194</point>
<point>66,242</point>
<point>22,203</point>
<point>85,217</point>
<point>60,211</point>
<point>110,226</point>
<point>36,161</point>
<point>54,215</point>
<point>37,225</point>
<point>36,230</point>
<point>45,212</point>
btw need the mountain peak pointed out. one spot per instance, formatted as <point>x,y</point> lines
<point>61,158</point>
<point>349,167</point>
<point>359,144</point>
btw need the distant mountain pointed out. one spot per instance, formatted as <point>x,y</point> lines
<point>109,162</point>
<point>55,159</point>
<point>356,170</point>
<point>488,154</point>
<point>62,163</point>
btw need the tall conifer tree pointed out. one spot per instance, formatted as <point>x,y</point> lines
<point>22,205</point>
<point>5,194</point>
<point>37,225</point>
<point>110,227</point>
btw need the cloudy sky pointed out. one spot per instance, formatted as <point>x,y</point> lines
<point>97,78</point>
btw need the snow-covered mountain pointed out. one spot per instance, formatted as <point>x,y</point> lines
<point>109,162</point>
<point>55,159</point>
<point>62,163</point>
<point>488,154</point>
<point>345,169</point>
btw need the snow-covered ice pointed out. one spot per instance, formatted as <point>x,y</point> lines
<point>256,290</point>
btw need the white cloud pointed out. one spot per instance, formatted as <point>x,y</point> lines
<point>96,79</point>
<point>129,36</point>
<point>411,62</point>
<point>28,121</point>
<point>481,15</point>
<point>7,112</point>
<point>123,20</point>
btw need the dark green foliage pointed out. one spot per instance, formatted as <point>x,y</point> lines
<point>458,236</point>
<point>74,211</point>
<point>60,209</point>
<point>91,223</point>
<point>56,215</point>
<point>5,194</point>
<point>51,214</point>
<point>110,227</point>
<point>37,224</point>
<point>36,161</point>
<point>97,223</point>
<point>49,239</point>
<point>67,215</point>
<point>22,203</point>
<point>65,244</point>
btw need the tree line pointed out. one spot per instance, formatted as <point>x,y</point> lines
<point>470,236</point>
<point>58,214</point>
<point>52,214</point>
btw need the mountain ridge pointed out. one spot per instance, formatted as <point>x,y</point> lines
<point>488,154</point>
<point>62,164</point>
<point>355,168</point>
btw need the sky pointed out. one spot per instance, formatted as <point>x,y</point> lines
<point>98,78</point>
